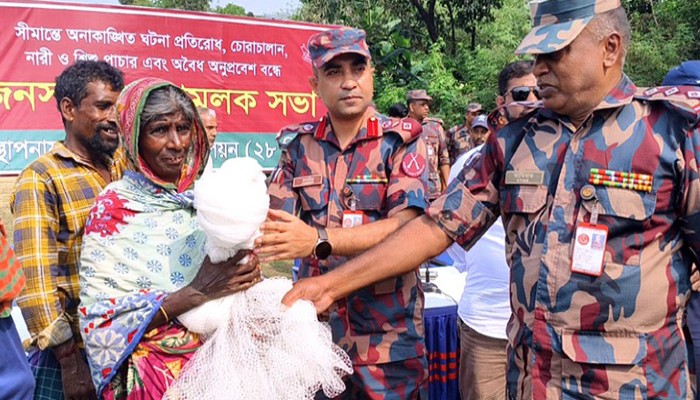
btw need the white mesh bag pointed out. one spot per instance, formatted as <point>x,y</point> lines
<point>254,348</point>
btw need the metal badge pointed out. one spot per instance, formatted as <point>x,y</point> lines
<point>588,192</point>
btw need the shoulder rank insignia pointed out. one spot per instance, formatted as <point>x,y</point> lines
<point>408,128</point>
<point>683,98</point>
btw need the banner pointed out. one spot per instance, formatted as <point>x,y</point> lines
<point>252,72</point>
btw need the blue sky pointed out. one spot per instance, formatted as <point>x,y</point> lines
<point>257,7</point>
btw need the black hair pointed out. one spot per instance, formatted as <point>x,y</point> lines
<point>73,81</point>
<point>398,110</point>
<point>514,70</point>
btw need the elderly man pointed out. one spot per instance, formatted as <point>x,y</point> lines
<point>353,178</point>
<point>599,196</point>
<point>458,137</point>
<point>52,198</point>
<point>208,117</point>
<point>418,103</point>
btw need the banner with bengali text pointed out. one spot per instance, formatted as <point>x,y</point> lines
<point>252,72</point>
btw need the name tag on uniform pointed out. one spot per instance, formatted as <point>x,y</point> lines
<point>352,218</point>
<point>589,249</point>
<point>309,180</point>
<point>524,177</point>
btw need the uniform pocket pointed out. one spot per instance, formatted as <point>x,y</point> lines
<point>523,199</point>
<point>624,203</point>
<point>604,365</point>
<point>313,197</point>
<point>369,196</point>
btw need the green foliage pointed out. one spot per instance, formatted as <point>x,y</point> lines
<point>476,39</point>
<point>664,33</point>
<point>192,5</point>
<point>230,9</point>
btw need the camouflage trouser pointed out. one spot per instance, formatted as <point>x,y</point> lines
<point>401,380</point>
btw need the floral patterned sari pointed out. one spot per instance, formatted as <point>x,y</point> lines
<point>141,242</point>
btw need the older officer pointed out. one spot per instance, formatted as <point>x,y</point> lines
<point>418,103</point>
<point>353,178</point>
<point>599,192</point>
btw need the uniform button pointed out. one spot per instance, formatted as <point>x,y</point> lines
<point>588,192</point>
<point>347,192</point>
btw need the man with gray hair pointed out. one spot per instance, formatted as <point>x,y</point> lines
<point>208,117</point>
<point>599,193</point>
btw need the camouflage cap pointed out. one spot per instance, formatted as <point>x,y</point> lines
<point>418,94</point>
<point>326,45</point>
<point>472,107</point>
<point>556,23</point>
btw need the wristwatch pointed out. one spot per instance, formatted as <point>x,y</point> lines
<point>323,247</point>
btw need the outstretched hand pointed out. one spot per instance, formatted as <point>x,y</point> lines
<point>284,237</point>
<point>312,289</point>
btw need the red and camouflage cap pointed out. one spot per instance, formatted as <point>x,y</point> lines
<point>556,23</point>
<point>418,94</point>
<point>326,45</point>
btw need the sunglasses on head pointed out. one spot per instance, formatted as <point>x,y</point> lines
<point>521,93</point>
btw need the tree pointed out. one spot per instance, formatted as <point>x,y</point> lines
<point>192,5</point>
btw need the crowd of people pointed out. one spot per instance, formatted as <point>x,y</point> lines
<point>574,208</point>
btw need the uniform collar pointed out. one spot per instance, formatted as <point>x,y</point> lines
<point>620,95</point>
<point>373,126</point>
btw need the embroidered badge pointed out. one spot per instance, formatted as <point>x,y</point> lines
<point>671,91</point>
<point>413,165</point>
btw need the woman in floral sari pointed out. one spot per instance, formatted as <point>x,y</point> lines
<point>143,261</point>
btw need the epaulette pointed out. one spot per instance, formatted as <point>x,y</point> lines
<point>685,99</point>
<point>407,128</point>
<point>433,119</point>
<point>289,132</point>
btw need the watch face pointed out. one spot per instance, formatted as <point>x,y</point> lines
<point>323,250</point>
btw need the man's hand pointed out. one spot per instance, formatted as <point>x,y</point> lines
<point>75,373</point>
<point>313,289</point>
<point>285,237</point>
<point>695,278</point>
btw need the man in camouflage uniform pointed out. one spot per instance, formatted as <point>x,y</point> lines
<point>594,316</point>
<point>458,138</point>
<point>353,178</point>
<point>418,103</point>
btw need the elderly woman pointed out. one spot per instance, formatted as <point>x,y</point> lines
<point>143,261</point>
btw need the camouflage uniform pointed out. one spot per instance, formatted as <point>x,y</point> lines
<point>458,141</point>
<point>434,136</point>
<point>572,335</point>
<point>383,323</point>
<point>618,335</point>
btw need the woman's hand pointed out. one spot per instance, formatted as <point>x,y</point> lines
<point>228,277</point>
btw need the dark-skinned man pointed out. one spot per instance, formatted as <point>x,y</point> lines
<point>51,201</point>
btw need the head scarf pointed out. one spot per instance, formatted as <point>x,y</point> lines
<point>130,105</point>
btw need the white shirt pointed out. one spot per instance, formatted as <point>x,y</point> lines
<point>485,302</point>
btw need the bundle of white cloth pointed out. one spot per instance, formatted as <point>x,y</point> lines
<point>254,348</point>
